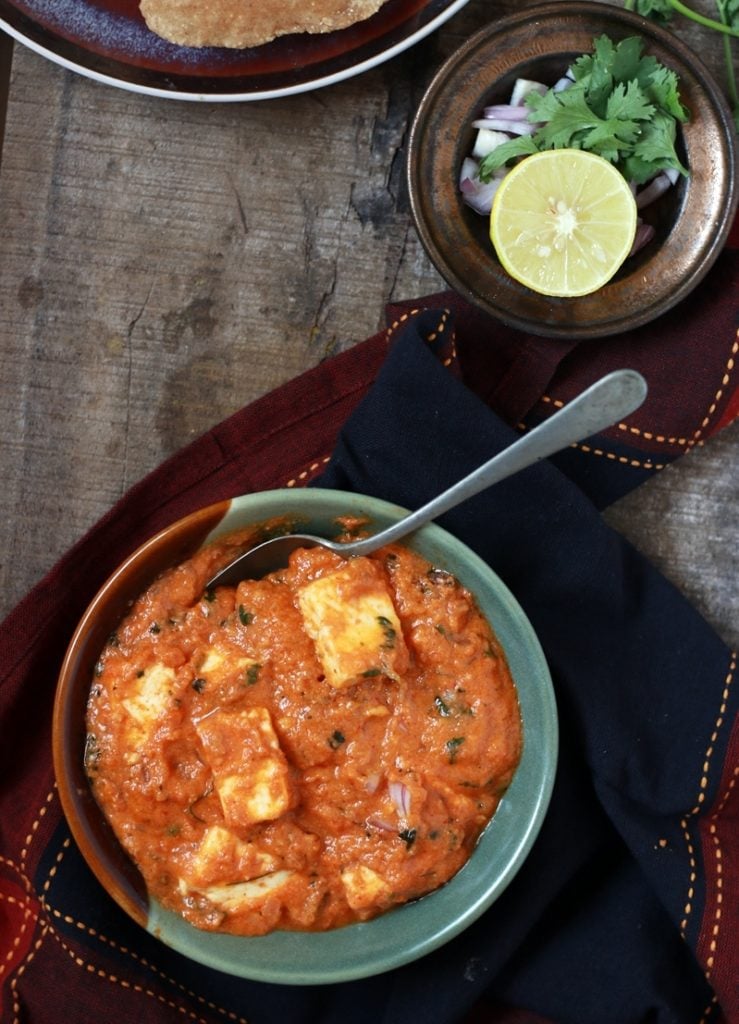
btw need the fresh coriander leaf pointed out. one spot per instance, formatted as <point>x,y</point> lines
<point>453,746</point>
<point>656,144</point>
<point>664,91</point>
<point>656,10</point>
<point>602,141</point>
<point>731,13</point>
<point>524,145</point>
<point>336,739</point>
<point>570,116</point>
<point>628,63</point>
<point>252,674</point>
<point>408,835</point>
<point>442,707</point>
<point>592,73</point>
<point>628,103</point>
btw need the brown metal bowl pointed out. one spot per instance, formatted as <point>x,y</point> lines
<point>692,221</point>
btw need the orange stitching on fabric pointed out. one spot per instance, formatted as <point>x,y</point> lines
<point>28,912</point>
<point>296,481</point>
<point>401,320</point>
<point>18,870</point>
<point>623,459</point>
<point>54,868</point>
<point>441,327</point>
<point>34,827</point>
<point>636,463</point>
<point>719,393</point>
<point>686,821</point>
<point>142,961</point>
<point>21,971</point>
<point>713,832</point>
<point>114,979</point>
<point>92,932</point>
<point>715,927</point>
<point>646,434</point>
<point>684,442</point>
<point>709,1010</point>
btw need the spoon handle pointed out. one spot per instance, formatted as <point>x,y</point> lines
<point>599,406</point>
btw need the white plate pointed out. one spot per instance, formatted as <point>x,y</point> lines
<point>107,40</point>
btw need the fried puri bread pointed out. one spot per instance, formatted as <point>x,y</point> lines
<point>243,23</point>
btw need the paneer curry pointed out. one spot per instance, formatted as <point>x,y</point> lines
<point>303,751</point>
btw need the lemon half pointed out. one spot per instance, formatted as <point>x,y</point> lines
<point>563,221</point>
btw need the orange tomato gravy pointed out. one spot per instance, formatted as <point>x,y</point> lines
<point>303,751</point>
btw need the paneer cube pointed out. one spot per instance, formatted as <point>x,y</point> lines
<point>220,664</point>
<point>222,857</point>
<point>250,772</point>
<point>150,696</point>
<point>350,616</point>
<point>364,888</point>
<point>247,895</point>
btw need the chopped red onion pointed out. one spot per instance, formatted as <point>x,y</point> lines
<point>486,141</point>
<point>644,235</point>
<point>372,783</point>
<point>522,87</point>
<point>506,112</point>
<point>401,798</point>
<point>478,195</point>
<point>374,821</point>
<point>655,188</point>
<point>500,125</point>
<point>562,83</point>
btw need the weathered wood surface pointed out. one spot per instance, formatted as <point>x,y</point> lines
<point>165,263</point>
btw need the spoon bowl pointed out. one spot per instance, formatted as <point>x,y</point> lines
<point>601,405</point>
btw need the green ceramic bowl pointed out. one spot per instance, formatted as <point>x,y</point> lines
<point>359,950</point>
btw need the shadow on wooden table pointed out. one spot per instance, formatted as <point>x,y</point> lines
<point>6,59</point>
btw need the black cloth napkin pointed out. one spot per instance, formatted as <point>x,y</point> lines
<point>602,924</point>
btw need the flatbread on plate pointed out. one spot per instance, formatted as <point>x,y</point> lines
<point>243,23</point>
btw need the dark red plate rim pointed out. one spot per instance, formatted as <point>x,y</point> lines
<point>109,40</point>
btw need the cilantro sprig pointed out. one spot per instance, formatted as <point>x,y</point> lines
<point>623,105</point>
<point>662,11</point>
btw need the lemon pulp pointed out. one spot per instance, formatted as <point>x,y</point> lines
<point>563,221</point>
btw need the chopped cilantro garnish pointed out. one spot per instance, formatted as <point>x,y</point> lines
<point>623,106</point>
<point>442,707</point>
<point>245,617</point>
<point>408,835</point>
<point>453,746</point>
<point>388,631</point>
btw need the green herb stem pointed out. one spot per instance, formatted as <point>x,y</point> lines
<point>727,25</point>
<point>723,9</point>
<point>702,19</point>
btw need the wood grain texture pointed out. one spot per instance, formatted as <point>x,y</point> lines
<point>165,263</point>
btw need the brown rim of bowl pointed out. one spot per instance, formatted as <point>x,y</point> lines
<point>94,837</point>
<point>456,239</point>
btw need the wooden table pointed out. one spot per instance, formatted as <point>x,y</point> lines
<point>165,263</point>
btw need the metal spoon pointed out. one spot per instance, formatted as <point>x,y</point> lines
<point>599,406</point>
